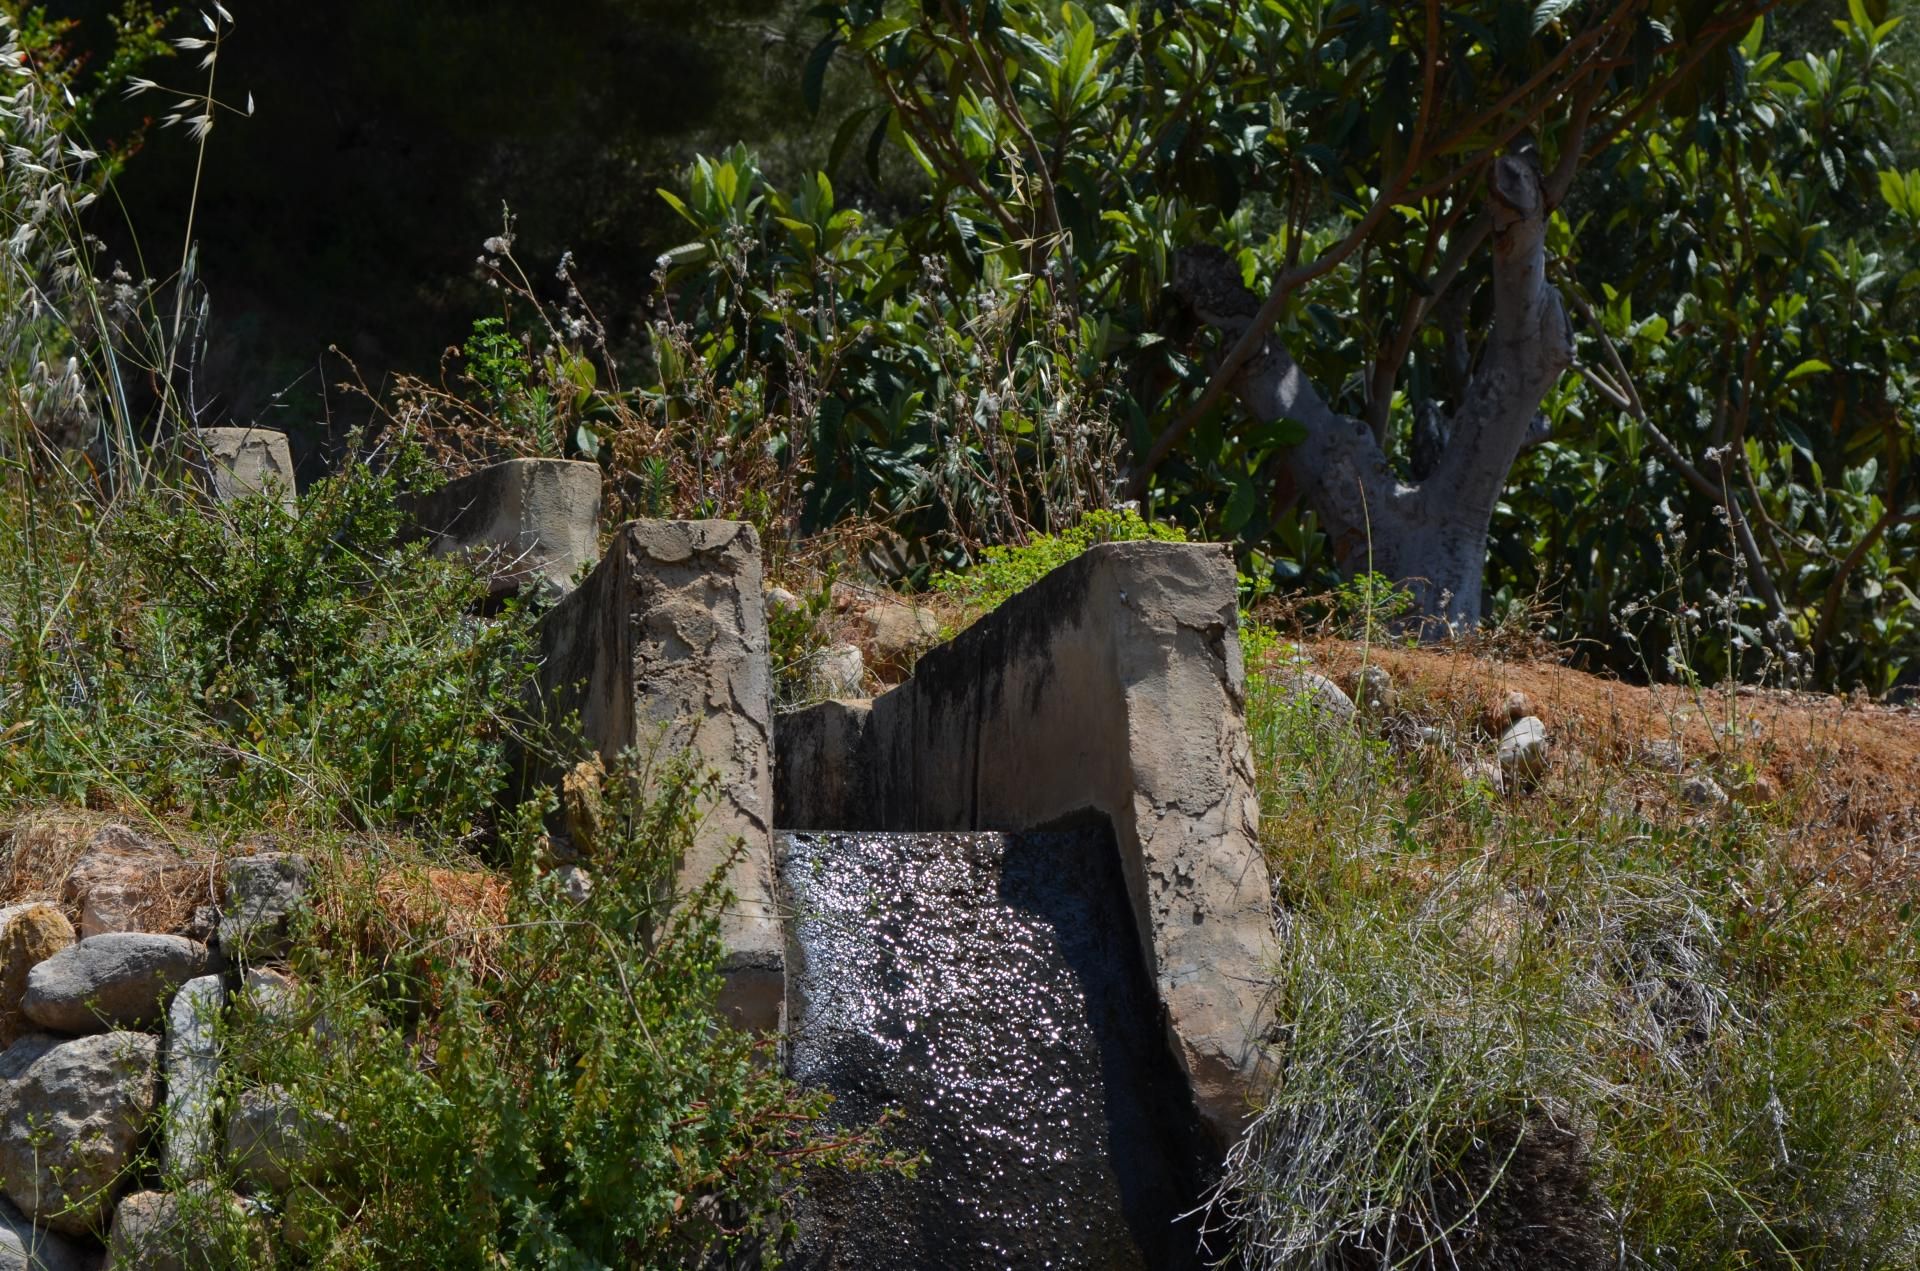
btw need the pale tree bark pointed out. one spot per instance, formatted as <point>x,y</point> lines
<point>1431,534</point>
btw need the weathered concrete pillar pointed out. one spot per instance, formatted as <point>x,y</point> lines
<point>1113,689</point>
<point>665,644</point>
<point>537,519</point>
<point>233,462</point>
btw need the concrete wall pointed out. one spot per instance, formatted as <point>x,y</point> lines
<point>1113,689</point>
<point>536,519</point>
<point>665,645</point>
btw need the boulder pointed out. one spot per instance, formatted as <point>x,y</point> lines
<point>896,635</point>
<point>203,1227</point>
<point>535,520</point>
<point>190,1133</point>
<point>123,882</point>
<point>234,462</point>
<point>265,892</point>
<point>271,1141</point>
<point>25,1247</point>
<point>839,671</point>
<point>29,935</point>
<point>1523,752</point>
<point>70,1125</point>
<point>122,980</point>
<point>665,646</point>
<point>1111,691</point>
<point>1326,701</point>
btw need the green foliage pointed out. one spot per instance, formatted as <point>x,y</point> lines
<point>566,1101</point>
<point>244,659</point>
<point>1766,307</point>
<point>1004,571</point>
<point>939,372</point>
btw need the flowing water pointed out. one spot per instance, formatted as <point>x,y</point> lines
<point>991,987</point>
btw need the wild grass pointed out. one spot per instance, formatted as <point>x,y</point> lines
<point>1565,1028</point>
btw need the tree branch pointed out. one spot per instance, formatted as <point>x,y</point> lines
<point>1338,459</point>
<point>1530,346</point>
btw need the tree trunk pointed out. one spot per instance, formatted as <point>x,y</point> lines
<point>1431,535</point>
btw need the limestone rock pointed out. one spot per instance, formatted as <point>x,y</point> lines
<point>25,1247</point>
<point>69,1126</point>
<point>839,671</point>
<point>234,462</point>
<point>666,645</point>
<point>264,894</point>
<point>897,634</point>
<point>29,935</point>
<point>271,1141</point>
<point>123,980</point>
<point>780,600</point>
<point>1523,751</point>
<point>124,882</point>
<point>189,1132</point>
<point>1326,700</point>
<point>534,520</point>
<point>164,1231</point>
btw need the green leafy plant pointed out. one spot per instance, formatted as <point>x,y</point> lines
<point>565,1100</point>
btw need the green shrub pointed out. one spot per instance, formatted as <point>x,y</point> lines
<point>559,1097</point>
<point>240,661</point>
<point>1003,571</point>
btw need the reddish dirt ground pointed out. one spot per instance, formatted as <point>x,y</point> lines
<point>1845,773</point>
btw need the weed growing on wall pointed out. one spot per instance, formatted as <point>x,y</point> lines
<point>1004,571</point>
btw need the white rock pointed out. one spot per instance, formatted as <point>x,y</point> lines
<point>70,1124</point>
<point>1325,699</point>
<point>1523,750</point>
<point>839,671</point>
<point>190,1136</point>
